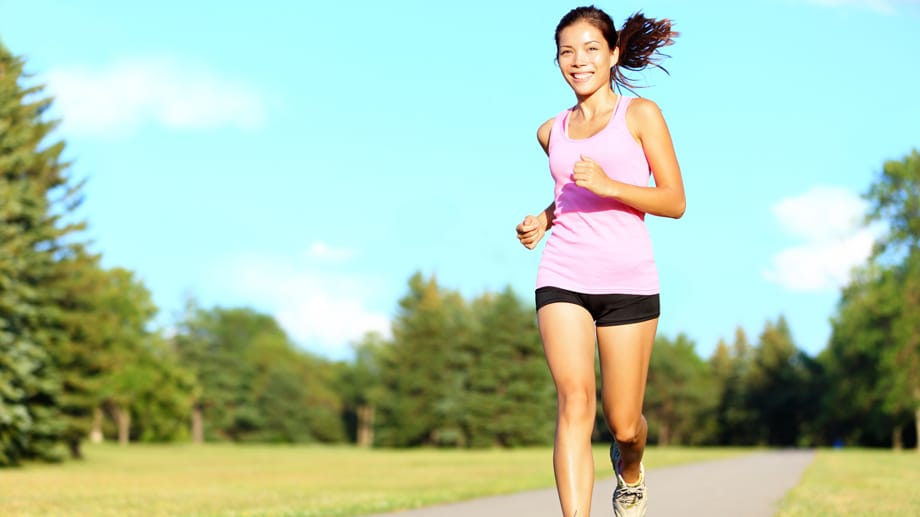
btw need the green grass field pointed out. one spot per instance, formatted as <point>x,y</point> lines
<point>227,480</point>
<point>857,482</point>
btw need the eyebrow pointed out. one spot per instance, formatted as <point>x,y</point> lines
<point>585,43</point>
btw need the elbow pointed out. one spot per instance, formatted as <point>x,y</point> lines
<point>681,210</point>
<point>677,211</point>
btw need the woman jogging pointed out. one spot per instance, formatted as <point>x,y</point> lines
<point>597,281</point>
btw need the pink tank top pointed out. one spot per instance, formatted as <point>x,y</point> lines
<point>598,245</point>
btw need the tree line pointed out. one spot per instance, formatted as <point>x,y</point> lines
<point>80,359</point>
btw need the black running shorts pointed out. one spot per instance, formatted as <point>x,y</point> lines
<point>606,309</point>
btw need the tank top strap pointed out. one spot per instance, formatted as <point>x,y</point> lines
<point>620,113</point>
<point>558,128</point>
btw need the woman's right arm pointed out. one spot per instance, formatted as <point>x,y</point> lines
<point>533,228</point>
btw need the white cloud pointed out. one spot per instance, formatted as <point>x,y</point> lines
<point>817,266</point>
<point>879,6</point>
<point>324,310</point>
<point>322,251</point>
<point>821,214</point>
<point>117,99</point>
<point>829,220</point>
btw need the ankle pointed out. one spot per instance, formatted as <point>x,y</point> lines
<point>632,477</point>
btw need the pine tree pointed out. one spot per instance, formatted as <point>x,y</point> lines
<point>420,394</point>
<point>511,399</point>
<point>736,422</point>
<point>776,385</point>
<point>36,195</point>
<point>679,395</point>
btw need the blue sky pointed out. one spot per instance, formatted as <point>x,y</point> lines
<point>306,158</point>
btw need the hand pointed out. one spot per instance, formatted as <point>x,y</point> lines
<point>530,231</point>
<point>588,174</point>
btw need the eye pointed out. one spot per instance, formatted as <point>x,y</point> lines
<point>593,49</point>
<point>565,52</point>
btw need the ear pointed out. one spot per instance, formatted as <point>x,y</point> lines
<point>615,55</point>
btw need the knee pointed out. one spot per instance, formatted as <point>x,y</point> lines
<point>578,405</point>
<point>628,433</point>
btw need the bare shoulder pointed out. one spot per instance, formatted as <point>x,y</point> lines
<point>543,133</point>
<point>642,109</point>
<point>643,116</point>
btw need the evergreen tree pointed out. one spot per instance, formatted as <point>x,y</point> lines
<point>777,385</point>
<point>451,394</point>
<point>214,344</point>
<point>721,366</point>
<point>679,395</point>
<point>511,399</point>
<point>737,424</point>
<point>293,393</point>
<point>36,195</point>
<point>79,355</point>
<point>418,396</point>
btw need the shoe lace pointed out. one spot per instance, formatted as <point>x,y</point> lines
<point>626,494</point>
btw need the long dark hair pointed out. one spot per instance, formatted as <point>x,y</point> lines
<point>639,40</point>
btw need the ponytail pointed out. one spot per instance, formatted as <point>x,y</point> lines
<point>639,42</point>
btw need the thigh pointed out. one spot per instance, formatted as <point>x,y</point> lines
<point>625,351</point>
<point>569,340</point>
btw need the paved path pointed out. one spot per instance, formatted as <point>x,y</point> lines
<point>748,486</point>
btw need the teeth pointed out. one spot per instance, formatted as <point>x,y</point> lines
<point>583,75</point>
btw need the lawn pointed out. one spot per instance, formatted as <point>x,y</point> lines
<point>857,482</point>
<point>228,480</point>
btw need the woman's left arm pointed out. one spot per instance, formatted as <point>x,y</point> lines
<point>666,198</point>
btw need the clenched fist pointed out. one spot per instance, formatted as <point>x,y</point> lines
<point>588,174</point>
<point>530,231</point>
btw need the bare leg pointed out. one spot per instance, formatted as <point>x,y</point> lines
<point>569,341</point>
<point>625,351</point>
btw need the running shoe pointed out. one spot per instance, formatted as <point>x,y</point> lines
<point>629,500</point>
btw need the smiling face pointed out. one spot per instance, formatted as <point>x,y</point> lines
<point>585,58</point>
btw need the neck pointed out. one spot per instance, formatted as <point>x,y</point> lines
<point>601,101</point>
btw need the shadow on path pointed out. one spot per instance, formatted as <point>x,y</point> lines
<point>749,486</point>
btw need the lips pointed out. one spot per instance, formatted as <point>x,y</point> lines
<point>581,77</point>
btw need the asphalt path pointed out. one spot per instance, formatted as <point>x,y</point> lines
<point>749,486</point>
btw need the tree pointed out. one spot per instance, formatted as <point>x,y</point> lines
<point>358,385</point>
<point>679,395</point>
<point>736,422</point>
<point>862,331</point>
<point>293,393</point>
<point>778,384</point>
<point>901,362</point>
<point>163,393</point>
<point>214,344</point>
<point>460,374</point>
<point>721,366</point>
<point>101,326</point>
<point>36,197</point>
<point>254,385</point>
<point>510,395</point>
<point>420,396</point>
<point>894,198</point>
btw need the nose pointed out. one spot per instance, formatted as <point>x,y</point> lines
<point>581,57</point>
